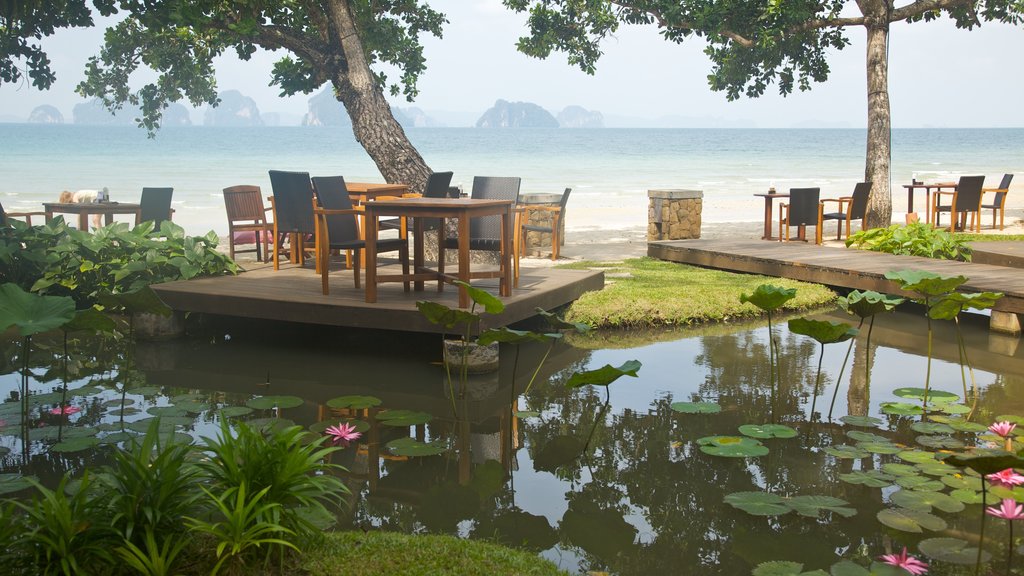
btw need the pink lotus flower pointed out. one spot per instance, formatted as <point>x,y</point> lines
<point>908,563</point>
<point>342,434</point>
<point>1009,509</point>
<point>65,410</point>
<point>1002,428</point>
<point>1007,478</point>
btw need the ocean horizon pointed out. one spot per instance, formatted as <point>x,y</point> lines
<point>609,169</point>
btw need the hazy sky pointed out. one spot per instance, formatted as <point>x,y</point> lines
<point>938,76</point>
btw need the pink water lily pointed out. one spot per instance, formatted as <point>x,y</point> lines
<point>342,434</point>
<point>65,410</point>
<point>908,563</point>
<point>1003,428</point>
<point>1008,509</point>
<point>1007,478</point>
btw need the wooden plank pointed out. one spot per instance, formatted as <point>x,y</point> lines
<point>857,269</point>
<point>293,294</point>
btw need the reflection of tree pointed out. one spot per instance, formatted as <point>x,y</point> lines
<point>858,396</point>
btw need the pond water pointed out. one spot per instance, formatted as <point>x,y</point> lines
<point>621,487</point>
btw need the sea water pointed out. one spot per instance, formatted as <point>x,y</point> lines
<point>610,170</point>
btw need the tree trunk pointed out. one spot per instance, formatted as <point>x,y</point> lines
<point>373,124</point>
<point>879,152</point>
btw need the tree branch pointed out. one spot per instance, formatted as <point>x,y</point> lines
<point>921,6</point>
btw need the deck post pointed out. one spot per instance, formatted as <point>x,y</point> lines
<point>674,214</point>
<point>1005,323</point>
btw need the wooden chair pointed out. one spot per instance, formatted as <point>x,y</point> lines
<point>999,203</point>
<point>850,208</point>
<point>966,200</point>
<point>337,228</point>
<point>523,226</point>
<point>293,212</point>
<point>4,215</point>
<point>801,211</point>
<point>246,213</point>
<point>485,233</point>
<point>155,205</point>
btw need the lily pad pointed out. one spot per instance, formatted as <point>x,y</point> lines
<point>940,442</point>
<point>192,406</point>
<point>957,482</point>
<point>166,411</point>
<point>696,407</point>
<point>75,444</point>
<point>863,421</point>
<point>952,550</point>
<point>936,468</point>
<point>907,520</point>
<point>936,396</point>
<point>732,446</point>
<point>268,402</point>
<point>845,451</point>
<point>407,446</point>
<point>862,436</point>
<point>986,461</point>
<point>129,411</point>
<point>403,418</point>
<point>527,413</point>
<point>355,402</point>
<point>767,431</point>
<point>234,411</point>
<point>901,409</point>
<point>812,505</point>
<point>931,428</point>
<point>117,438</point>
<point>783,568</point>
<point>758,503</point>
<point>961,425</point>
<point>116,403</point>
<point>916,500</point>
<point>13,483</point>
<point>917,456</point>
<point>880,447</point>
<point>922,483</point>
<point>167,424</point>
<point>145,390</point>
<point>870,478</point>
<point>967,496</point>
<point>952,408</point>
<point>604,375</point>
<point>897,469</point>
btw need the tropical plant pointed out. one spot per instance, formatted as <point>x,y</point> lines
<point>769,298</point>
<point>949,307</point>
<point>864,305</point>
<point>916,239</point>
<point>156,559</point>
<point>823,332</point>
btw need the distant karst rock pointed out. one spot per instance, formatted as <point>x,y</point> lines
<point>516,115</point>
<point>414,118</point>
<point>235,109</point>
<point>93,112</point>
<point>579,117</point>
<point>325,110</point>
<point>45,114</point>
<point>176,115</point>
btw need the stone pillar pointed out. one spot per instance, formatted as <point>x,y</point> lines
<point>539,243</point>
<point>674,214</point>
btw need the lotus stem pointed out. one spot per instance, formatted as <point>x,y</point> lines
<point>981,532</point>
<point>928,369</point>
<point>817,383</point>
<point>543,359</point>
<point>771,366</point>
<point>961,353</point>
<point>965,360</point>
<point>841,370</point>
<point>1009,549</point>
<point>867,355</point>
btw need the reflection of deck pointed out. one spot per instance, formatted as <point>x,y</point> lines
<point>841,267</point>
<point>293,294</point>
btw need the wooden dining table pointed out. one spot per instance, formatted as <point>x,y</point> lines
<point>363,192</point>
<point>937,186</point>
<point>85,209</point>
<point>420,208</point>
<point>769,197</point>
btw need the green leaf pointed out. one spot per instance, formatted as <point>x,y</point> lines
<point>559,324</point>
<point>354,401</point>
<point>848,568</point>
<point>696,407</point>
<point>449,318</point>
<point>957,482</point>
<point>142,300</point>
<point>490,302</point>
<point>917,456</point>
<point>768,297</point>
<point>967,496</point>
<point>917,500</point>
<point>880,447</point>
<point>868,303</point>
<point>75,444</point>
<point>931,428</point>
<point>845,451</point>
<point>767,431</point>
<point>861,436</point>
<point>906,520</point>
<point>937,396</point>
<point>985,462</point>
<point>870,478</point>
<point>508,335</point>
<point>925,283</point>
<point>33,313</point>
<point>407,446</point>
<point>403,418</point>
<point>922,483</point>
<point>527,413</point>
<point>235,411</point>
<point>940,442</point>
<point>935,468</point>
<point>778,568</point>
<point>14,483</point>
<point>901,409</point>
<point>812,505</point>
<point>732,446</point>
<point>758,503</point>
<point>269,402</point>
<point>605,375</point>
<point>952,304</point>
<point>952,408</point>
<point>952,550</point>
<point>897,469</point>
<point>864,421</point>
<point>90,319</point>
<point>823,332</point>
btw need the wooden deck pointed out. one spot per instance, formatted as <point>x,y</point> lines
<point>1001,253</point>
<point>293,294</point>
<point>842,267</point>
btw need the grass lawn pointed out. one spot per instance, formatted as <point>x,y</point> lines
<point>989,237</point>
<point>645,292</point>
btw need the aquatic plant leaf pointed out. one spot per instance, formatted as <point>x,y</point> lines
<point>407,446</point>
<point>897,469</point>
<point>166,411</point>
<point>192,406</point>
<point>270,402</point>
<point>558,323</point>
<point>117,438</point>
<point>1010,418</point>
<point>319,427</point>
<point>145,390</point>
<point>845,451</point>
<point>958,482</point>
<point>967,496</point>
<point>75,444</point>
<point>907,520</point>
<point>935,468</point>
<point>940,442</point>
<point>880,447</point>
<point>997,493</point>
<point>952,304</point>
<point>767,431</point>
<point>526,413</point>
<point>985,461</point>
<point>79,431</point>
<point>916,500</point>
<point>167,423</point>
<point>952,550</point>
<point>868,303</point>
<point>557,452</point>
<point>440,314</point>
<point>768,297</point>
<point>604,375</point>
<point>931,428</point>
<point>822,331</point>
<point>90,319</point>
<point>508,335</point>
<point>354,401</point>
<point>883,569</point>
<point>937,396</point>
<point>812,505</point>
<point>142,300</point>
<point>117,402</point>
<point>952,408</point>
<point>922,483</point>
<point>758,503</point>
<point>490,302</point>
<point>917,456</point>
<point>848,568</point>
<point>861,436</point>
<point>14,483</point>
<point>925,283</point>
<point>234,411</point>
<point>869,478</point>
<point>129,411</point>
<point>863,421</point>
<point>696,407</point>
<point>901,409</point>
<point>732,446</point>
<point>778,568</point>
<point>403,418</point>
<point>33,313</point>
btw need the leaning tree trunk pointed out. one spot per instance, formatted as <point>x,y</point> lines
<point>373,124</point>
<point>879,152</point>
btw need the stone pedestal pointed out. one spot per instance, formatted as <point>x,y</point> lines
<point>539,243</point>
<point>674,214</point>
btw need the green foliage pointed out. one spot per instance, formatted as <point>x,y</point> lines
<point>768,297</point>
<point>868,303</point>
<point>823,332</point>
<point>696,407</point>
<point>23,24</point>
<point>917,239</point>
<point>732,446</point>
<point>33,313</point>
<point>156,559</point>
<point>604,375</point>
<point>768,504</point>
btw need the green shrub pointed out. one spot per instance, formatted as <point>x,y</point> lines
<point>917,239</point>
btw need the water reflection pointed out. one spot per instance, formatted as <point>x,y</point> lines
<point>623,489</point>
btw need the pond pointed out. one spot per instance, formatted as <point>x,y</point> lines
<point>621,487</point>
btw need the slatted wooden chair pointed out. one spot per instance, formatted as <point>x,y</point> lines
<point>850,208</point>
<point>998,204</point>
<point>800,211</point>
<point>247,214</point>
<point>966,200</point>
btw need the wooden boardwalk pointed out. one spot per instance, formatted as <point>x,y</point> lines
<point>1000,253</point>
<point>842,267</point>
<point>293,294</point>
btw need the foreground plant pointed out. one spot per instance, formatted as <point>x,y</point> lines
<point>769,298</point>
<point>864,305</point>
<point>917,239</point>
<point>823,333</point>
<point>906,562</point>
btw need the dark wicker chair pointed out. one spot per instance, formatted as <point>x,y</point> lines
<point>801,211</point>
<point>437,187</point>
<point>485,233</point>
<point>155,205</point>
<point>337,228</point>
<point>293,212</point>
<point>998,204</point>
<point>966,200</point>
<point>246,214</point>
<point>850,208</point>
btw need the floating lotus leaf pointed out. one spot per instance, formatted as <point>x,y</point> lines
<point>86,391</point>
<point>937,396</point>
<point>897,469</point>
<point>901,409</point>
<point>861,436</point>
<point>166,411</point>
<point>925,501</point>
<point>957,482</point>
<point>917,456</point>
<point>864,421</point>
<point>1002,493</point>
<point>75,444</point>
<point>925,283</point>
<point>869,478</point>
<point>559,324</point>
<point>880,447</point>
<point>167,424</point>
<point>511,336</point>
<point>1015,419</point>
<point>110,427</point>
<point>952,550</point>
<point>781,568</point>
<point>907,520</point>
<point>320,427</point>
<point>732,446</point>
<point>129,411</point>
<point>922,483</point>
<point>117,403</point>
<point>956,423</point>
<point>604,375</point>
<point>768,297</point>
<point>758,503</point>
<point>117,438</point>
<point>936,468</point>
<point>951,408</point>
<point>270,423</point>
<point>33,313</point>
<point>80,431</point>
<point>767,431</point>
<point>985,461</point>
<point>188,397</point>
<point>13,483</point>
<point>940,442</point>
<point>848,568</point>
<point>527,413</point>
<point>822,331</point>
<point>967,496</point>
<point>931,428</point>
<point>192,406</point>
<point>696,407</point>
<point>234,411</point>
<point>145,390</point>
<point>44,433</point>
<point>354,401</point>
<point>557,452</point>
<point>407,446</point>
<point>403,418</point>
<point>846,451</point>
<point>812,505</point>
<point>269,402</point>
